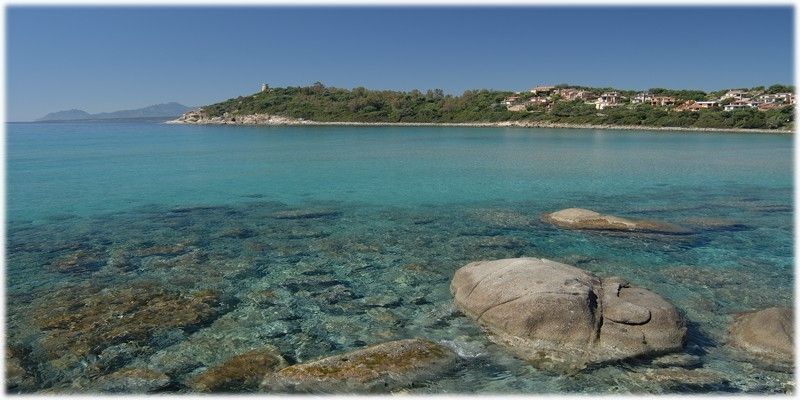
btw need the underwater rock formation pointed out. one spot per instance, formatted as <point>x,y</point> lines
<point>78,262</point>
<point>77,321</point>
<point>239,373</point>
<point>378,368</point>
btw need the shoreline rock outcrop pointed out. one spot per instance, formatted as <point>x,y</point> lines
<point>582,219</point>
<point>560,317</point>
<point>378,368</point>
<point>198,117</point>
<point>765,336</point>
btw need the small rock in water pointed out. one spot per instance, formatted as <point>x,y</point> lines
<point>379,368</point>
<point>765,336</point>
<point>239,373</point>
<point>578,218</point>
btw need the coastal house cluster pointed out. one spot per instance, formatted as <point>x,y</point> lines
<point>545,96</point>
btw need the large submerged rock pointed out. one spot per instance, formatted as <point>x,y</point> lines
<point>560,317</point>
<point>239,373</point>
<point>579,218</point>
<point>765,336</point>
<point>382,367</point>
<point>78,321</point>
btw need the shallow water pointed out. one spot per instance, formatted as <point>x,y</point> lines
<point>398,210</point>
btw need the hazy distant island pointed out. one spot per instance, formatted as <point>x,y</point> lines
<point>751,109</point>
<point>165,110</point>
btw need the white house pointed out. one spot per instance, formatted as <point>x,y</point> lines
<point>510,100</point>
<point>642,97</point>
<point>740,105</point>
<point>608,99</point>
<point>705,104</point>
<point>542,89</point>
<point>777,97</point>
<point>538,100</point>
<point>735,94</point>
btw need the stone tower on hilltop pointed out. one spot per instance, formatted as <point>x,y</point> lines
<point>264,87</point>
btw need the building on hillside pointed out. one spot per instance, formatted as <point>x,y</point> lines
<point>517,107</point>
<point>575,94</point>
<point>608,99</point>
<point>740,105</point>
<point>542,89</point>
<point>770,106</point>
<point>538,100</point>
<point>642,97</point>
<point>264,87</point>
<point>585,95</point>
<point>706,104</point>
<point>566,93</point>
<point>735,94</point>
<point>694,106</point>
<point>662,101</point>
<point>776,98</point>
<point>510,100</point>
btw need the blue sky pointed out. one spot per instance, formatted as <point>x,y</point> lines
<point>106,59</point>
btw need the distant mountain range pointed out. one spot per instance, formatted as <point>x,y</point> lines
<point>159,110</point>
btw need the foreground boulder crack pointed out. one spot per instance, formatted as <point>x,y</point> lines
<point>563,318</point>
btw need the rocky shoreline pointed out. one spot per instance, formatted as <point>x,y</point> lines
<point>197,118</point>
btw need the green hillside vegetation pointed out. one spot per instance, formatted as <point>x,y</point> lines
<point>329,104</point>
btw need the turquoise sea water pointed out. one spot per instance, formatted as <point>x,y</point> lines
<point>398,210</point>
